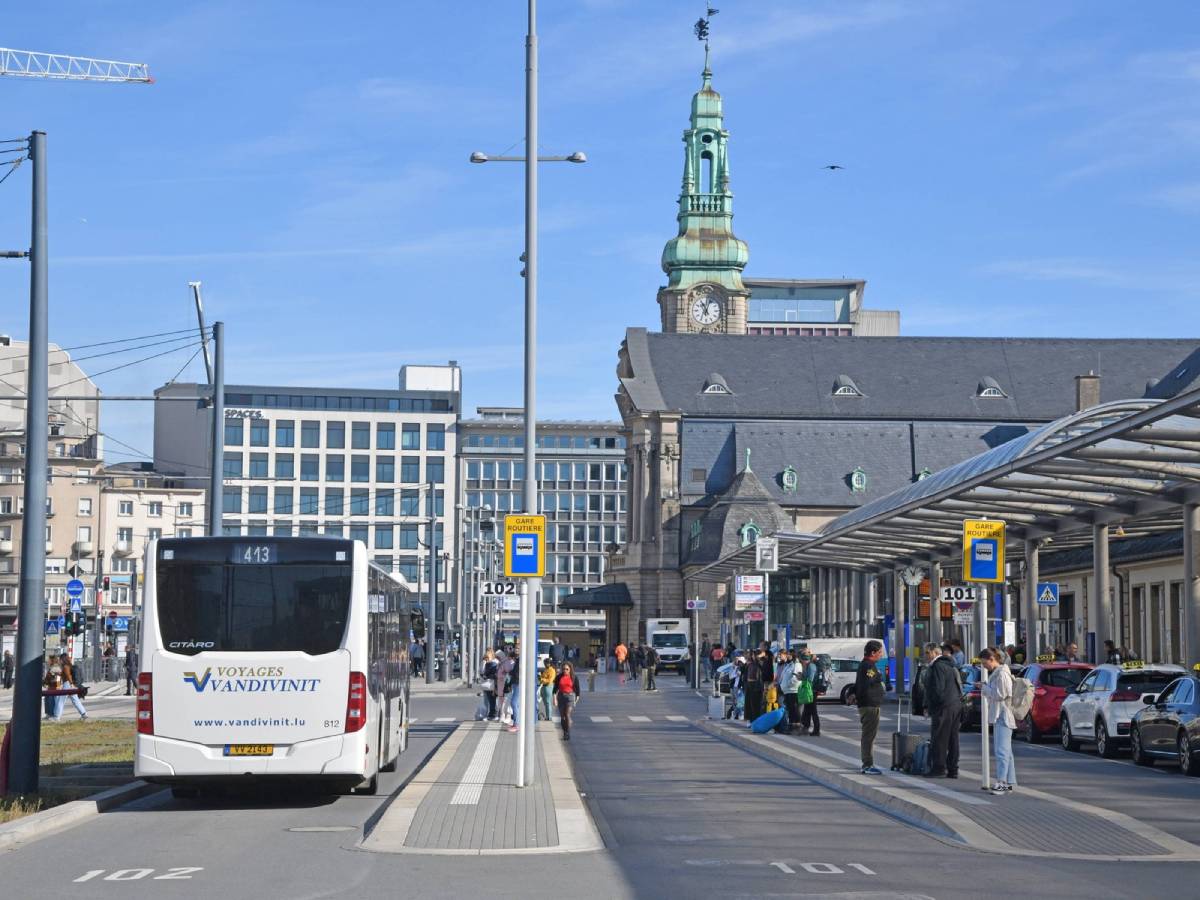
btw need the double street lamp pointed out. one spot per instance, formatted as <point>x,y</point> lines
<point>532,588</point>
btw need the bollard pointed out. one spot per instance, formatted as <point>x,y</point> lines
<point>592,681</point>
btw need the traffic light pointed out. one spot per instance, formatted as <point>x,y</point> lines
<point>104,583</point>
<point>75,623</point>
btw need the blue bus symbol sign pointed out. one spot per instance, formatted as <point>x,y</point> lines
<point>983,550</point>
<point>524,546</point>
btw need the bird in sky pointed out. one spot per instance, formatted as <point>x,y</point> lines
<point>833,167</point>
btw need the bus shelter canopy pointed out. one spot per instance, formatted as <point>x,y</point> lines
<point>1129,463</point>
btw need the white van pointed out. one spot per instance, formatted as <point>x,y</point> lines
<point>842,656</point>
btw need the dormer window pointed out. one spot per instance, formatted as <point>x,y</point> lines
<point>715,384</point>
<point>989,389</point>
<point>844,386</point>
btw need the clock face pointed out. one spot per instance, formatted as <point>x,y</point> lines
<point>706,309</point>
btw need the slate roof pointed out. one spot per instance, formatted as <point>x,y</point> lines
<point>900,377</point>
<point>745,500</point>
<point>825,452</point>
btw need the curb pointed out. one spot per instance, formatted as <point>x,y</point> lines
<point>67,815</point>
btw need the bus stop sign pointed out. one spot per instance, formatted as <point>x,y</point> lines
<point>983,550</point>
<point>524,546</point>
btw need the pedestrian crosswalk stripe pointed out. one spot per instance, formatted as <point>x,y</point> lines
<point>677,718</point>
<point>639,718</point>
<point>445,719</point>
<point>834,717</point>
<point>601,718</point>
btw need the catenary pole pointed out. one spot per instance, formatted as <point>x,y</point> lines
<point>217,463</point>
<point>526,765</point>
<point>431,574</point>
<point>26,716</point>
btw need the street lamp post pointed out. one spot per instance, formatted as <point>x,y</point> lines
<point>532,586</point>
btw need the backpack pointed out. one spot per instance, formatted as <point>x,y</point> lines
<point>921,761</point>
<point>1021,700</point>
<point>717,654</point>
<point>822,682</point>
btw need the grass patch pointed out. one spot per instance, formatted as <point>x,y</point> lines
<point>66,744</point>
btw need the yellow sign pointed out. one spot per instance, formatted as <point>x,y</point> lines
<point>524,546</point>
<point>983,550</point>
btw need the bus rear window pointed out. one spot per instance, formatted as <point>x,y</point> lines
<point>209,605</point>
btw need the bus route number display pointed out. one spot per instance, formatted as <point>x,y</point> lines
<point>254,554</point>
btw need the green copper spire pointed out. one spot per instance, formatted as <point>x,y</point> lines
<point>706,249</point>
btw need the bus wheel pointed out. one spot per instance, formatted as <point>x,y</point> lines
<point>185,793</point>
<point>368,788</point>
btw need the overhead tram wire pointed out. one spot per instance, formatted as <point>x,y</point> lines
<point>142,337</point>
<point>185,339</point>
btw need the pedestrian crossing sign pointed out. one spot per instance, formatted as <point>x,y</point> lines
<point>76,606</point>
<point>1047,593</point>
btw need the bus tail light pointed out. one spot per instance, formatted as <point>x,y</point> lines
<point>145,703</point>
<point>356,702</point>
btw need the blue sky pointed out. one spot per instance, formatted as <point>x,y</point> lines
<point>1011,169</point>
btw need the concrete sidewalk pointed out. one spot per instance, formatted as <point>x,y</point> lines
<point>1027,823</point>
<point>464,801</point>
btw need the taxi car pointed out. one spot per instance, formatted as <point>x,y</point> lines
<point>1101,708</point>
<point>1052,681</point>
<point>1168,727</point>
<point>972,697</point>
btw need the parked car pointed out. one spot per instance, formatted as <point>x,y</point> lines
<point>1052,681</point>
<point>1101,708</point>
<point>843,673</point>
<point>1168,727</point>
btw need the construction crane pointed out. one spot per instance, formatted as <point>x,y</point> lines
<point>31,64</point>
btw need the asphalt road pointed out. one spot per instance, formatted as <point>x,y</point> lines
<point>683,815</point>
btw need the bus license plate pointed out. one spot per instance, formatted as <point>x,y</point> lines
<point>249,749</point>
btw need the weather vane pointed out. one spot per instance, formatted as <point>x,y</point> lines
<point>701,26</point>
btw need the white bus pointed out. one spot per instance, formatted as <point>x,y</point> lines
<point>271,658</point>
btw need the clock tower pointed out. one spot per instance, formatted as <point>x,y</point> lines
<point>704,291</point>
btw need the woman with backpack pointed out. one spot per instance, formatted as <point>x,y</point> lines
<point>806,694</point>
<point>998,689</point>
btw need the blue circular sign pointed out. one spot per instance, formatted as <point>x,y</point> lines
<point>74,588</point>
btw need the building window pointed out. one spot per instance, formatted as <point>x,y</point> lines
<point>233,465</point>
<point>83,533</point>
<point>258,501</point>
<point>153,534</point>
<point>258,466</point>
<point>435,469</point>
<point>333,501</point>
<point>360,502</point>
<point>473,470</point>
<point>385,468</point>
<point>699,475</point>
<point>183,532</point>
<point>310,434</point>
<point>260,433</point>
<point>858,480</point>
<point>230,529</point>
<point>124,507</point>
<point>285,465</point>
<point>360,468</point>
<point>333,530</point>
<point>408,537</point>
<point>358,533</point>
<point>410,503</point>
<point>335,467</point>
<point>410,469</point>
<point>439,504</point>
<point>233,432</point>
<point>407,567</point>
<point>385,503</point>
<point>154,508</point>
<point>435,437</point>
<point>282,530</point>
<point>85,506</point>
<point>385,436</point>
<point>410,436</point>
<point>384,535</point>
<point>185,510</point>
<point>283,501</point>
<point>310,502</point>
<point>256,529</point>
<point>232,502</point>
<point>310,467</point>
<point>125,535</point>
<point>360,436</point>
<point>285,433</point>
<point>335,435</point>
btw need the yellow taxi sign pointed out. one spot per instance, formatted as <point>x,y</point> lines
<point>983,550</point>
<point>1045,657</point>
<point>1134,664</point>
<point>524,546</point>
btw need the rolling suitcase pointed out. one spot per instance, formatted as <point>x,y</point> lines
<point>904,744</point>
